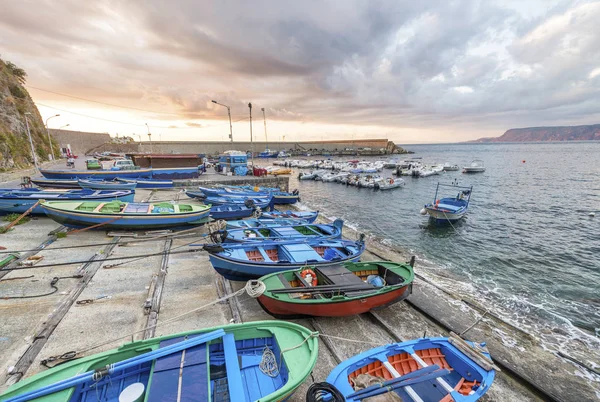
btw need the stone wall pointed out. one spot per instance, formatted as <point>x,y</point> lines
<point>80,141</point>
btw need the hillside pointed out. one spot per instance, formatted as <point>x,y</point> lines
<point>559,133</point>
<point>15,150</point>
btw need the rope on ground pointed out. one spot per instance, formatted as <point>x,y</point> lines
<point>255,288</point>
<point>53,283</point>
<point>475,323</point>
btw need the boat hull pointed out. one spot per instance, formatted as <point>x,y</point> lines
<point>79,220</point>
<point>20,205</point>
<point>106,186</point>
<point>96,174</point>
<point>279,308</point>
<point>238,271</point>
<point>309,217</point>
<point>440,216</point>
<point>56,183</point>
<point>235,212</point>
<point>149,183</point>
<point>176,173</point>
<point>473,170</point>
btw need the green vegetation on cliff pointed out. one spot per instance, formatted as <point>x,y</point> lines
<point>15,151</point>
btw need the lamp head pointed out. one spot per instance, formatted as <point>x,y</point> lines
<point>214,101</point>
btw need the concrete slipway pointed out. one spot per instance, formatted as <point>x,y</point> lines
<point>98,302</point>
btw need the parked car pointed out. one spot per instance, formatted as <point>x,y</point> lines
<point>93,164</point>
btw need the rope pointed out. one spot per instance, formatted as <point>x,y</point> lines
<point>268,363</point>
<point>475,323</point>
<point>53,283</point>
<point>255,288</point>
<point>456,231</point>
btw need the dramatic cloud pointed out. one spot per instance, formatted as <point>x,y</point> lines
<point>413,71</point>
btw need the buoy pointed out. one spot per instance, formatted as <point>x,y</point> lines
<point>523,160</point>
<point>133,393</point>
<point>592,214</point>
<point>423,211</point>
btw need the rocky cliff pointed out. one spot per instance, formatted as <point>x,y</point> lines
<point>15,150</point>
<point>560,133</point>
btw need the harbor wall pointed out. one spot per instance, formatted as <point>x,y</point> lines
<point>80,141</point>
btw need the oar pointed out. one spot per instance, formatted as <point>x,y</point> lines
<point>415,377</point>
<point>324,289</point>
<point>122,365</point>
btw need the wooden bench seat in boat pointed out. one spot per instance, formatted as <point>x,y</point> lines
<point>449,207</point>
<point>340,275</point>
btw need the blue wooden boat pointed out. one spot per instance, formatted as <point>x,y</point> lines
<point>214,364</point>
<point>263,203</point>
<point>106,185</point>
<point>294,232</point>
<point>451,209</point>
<point>149,183</point>
<point>229,211</point>
<point>56,183</point>
<point>309,216</point>
<point>279,197</point>
<point>425,369</point>
<point>264,223</point>
<point>244,261</point>
<point>96,174</point>
<point>20,200</point>
<point>123,215</point>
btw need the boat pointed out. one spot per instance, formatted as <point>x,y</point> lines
<point>450,168</point>
<point>279,197</point>
<point>264,223</point>
<point>475,167</point>
<point>148,183</point>
<point>448,209</point>
<point>337,290</point>
<point>424,369</point>
<point>220,364</point>
<point>389,184</point>
<point>263,203</point>
<point>244,261</point>
<point>96,174</point>
<point>20,200</point>
<point>125,215</point>
<point>229,211</point>
<point>309,216</point>
<point>106,185</point>
<point>289,232</point>
<point>56,183</point>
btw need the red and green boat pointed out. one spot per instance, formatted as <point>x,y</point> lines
<point>333,291</point>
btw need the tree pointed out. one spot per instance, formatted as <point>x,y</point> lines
<point>17,72</point>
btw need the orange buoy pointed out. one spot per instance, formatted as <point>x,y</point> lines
<point>310,276</point>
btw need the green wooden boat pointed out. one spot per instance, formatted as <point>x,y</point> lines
<point>213,364</point>
<point>125,215</point>
<point>333,291</point>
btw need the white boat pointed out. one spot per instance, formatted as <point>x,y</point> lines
<point>475,167</point>
<point>451,168</point>
<point>448,209</point>
<point>389,184</point>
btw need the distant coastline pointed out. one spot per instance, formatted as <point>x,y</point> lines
<point>590,132</point>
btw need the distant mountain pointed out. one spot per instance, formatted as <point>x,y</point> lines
<point>560,133</point>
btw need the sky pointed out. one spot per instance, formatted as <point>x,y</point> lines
<point>413,72</point>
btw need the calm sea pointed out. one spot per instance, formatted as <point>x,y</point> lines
<point>528,248</point>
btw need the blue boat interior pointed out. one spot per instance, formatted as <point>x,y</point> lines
<point>287,232</point>
<point>291,253</point>
<point>396,361</point>
<point>451,204</point>
<point>225,371</point>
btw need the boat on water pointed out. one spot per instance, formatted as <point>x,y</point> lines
<point>231,211</point>
<point>389,184</point>
<point>219,364</point>
<point>475,167</point>
<point>148,183</point>
<point>106,185</point>
<point>20,200</point>
<point>309,216</point>
<point>337,290</point>
<point>424,369</point>
<point>449,209</point>
<point>450,168</point>
<point>244,261</point>
<point>125,215</point>
<point>264,223</point>
<point>292,232</point>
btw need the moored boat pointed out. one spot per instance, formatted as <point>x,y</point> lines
<point>389,184</point>
<point>339,290</point>
<point>309,216</point>
<point>229,211</point>
<point>106,185</point>
<point>263,222</point>
<point>292,232</point>
<point>448,209</point>
<point>279,197</point>
<point>125,215</point>
<point>20,200</point>
<point>424,369</point>
<point>450,168</point>
<point>243,261</point>
<point>475,167</point>
<point>218,364</point>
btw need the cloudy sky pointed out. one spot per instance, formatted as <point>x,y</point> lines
<point>432,71</point>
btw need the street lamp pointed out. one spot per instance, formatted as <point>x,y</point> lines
<point>30,140</point>
<point>251,142</point>
<point>229,113</point>
<point>66,125</point>
<point>51,156</point>
<point>149,137</point>
<point>265,120</point>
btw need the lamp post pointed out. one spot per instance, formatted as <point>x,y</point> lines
<point>149,137</point>
<point>51,156</point>
<point>229,114</point>
<point>265,121</point>
<point>251,141</point>
<point>30,140</point>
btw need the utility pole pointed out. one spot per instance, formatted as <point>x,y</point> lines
<point>31,141</point>
<point>265,120</point>
<point>251,141</point>
<point>229,114</point>
<point>49,140</point>
<point>149,137</point>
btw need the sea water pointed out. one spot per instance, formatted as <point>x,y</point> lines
<point>528,248</point>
